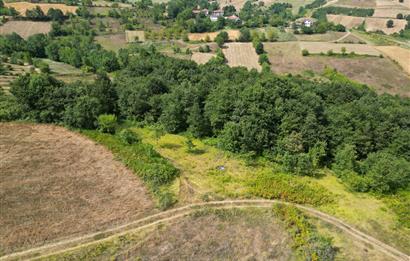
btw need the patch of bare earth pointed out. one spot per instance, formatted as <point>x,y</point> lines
<point>25,28</point>
<point>56,184</point>
<point>382,74</point>
<point>242,54</point>
<point>223,235</point>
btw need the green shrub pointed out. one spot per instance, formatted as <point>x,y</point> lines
<point>166,200</point>
<point>306,240</point>
<point>107,123</point>
<point>305,52</point>
<point>129,137</point>
<point>289,188</point>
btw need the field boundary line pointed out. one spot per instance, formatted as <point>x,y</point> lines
<point>166,216</point>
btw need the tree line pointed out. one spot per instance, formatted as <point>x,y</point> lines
<point>302,124</point>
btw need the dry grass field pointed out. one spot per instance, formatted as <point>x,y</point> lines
<point>133,36</point>
<point>112,42</point>
<point>326,37</point>
<point>233,35</point>
<point>25,28</point>
<point>357,3</point>
<point>242,54</point>
<point>381,74</point>
<point>55,183</point>
<point>22,7</point>
<point>390,12</point>
<point>322,47</point>
<point>371,23</point>
<point>393,4</point>
<point>348,21</point>
<point>201,58</point>
<point>398,54</point>
<point>102,3</point>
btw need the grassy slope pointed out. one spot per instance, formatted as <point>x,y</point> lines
<point>200,179</point>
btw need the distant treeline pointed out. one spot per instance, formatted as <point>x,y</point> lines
<point>360,12</point>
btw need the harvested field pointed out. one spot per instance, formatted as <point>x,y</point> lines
<point>133,36</point>
<point>389,12</point>
<point>242,54</point>
<point>22,7</point>
<point>326,37</point>
<point>214,234</point>
<point>357,3</point>
<point>348,21</point>
<point>233,35</point>
<point>102,3</point>
<point>398,54</point>
<point>375,24</point>
<point>296,4</point>
<point>25,28</point>
<point>381,74</point>
<point>55,183</point>
<point>321,47</point>
<point>201,58</point>
<point>393,4</point>
<point>350,38</point>
<point>112,42</point>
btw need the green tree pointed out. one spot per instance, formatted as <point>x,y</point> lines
<point>390,23</point>
<point>221,38</point>
<point>83,113</point>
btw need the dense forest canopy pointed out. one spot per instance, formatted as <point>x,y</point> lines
<point>302,124</point>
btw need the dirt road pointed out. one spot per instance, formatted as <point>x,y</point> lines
<point>78,242</point>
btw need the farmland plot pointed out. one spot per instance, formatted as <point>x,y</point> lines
<point>345,20</point>
<point>296,4</point>
<point>379,73</point>
<point>134,36</point>
<point>357,3</point>
<point>322,47</point>
<point>242,54</point>
<point>22,7</point>
<point>375,24</point>
<point>398,54</point>
<point>25,28</point>
<point>55,183</point>
<point>390,12</point>
<point>233,35</point>
<point>201,58</point>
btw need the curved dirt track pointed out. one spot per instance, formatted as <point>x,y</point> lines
<point>172,214</point>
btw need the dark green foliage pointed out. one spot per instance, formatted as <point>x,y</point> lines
<point>83,113</point>
<point>390,23</point>
<point>36,45</point>
<point>245,35</point>
<point>221,38</point>
<point>129,137</point>
<point>107,123</point>
<point>36,14</point>
<point>360,12</point>
<point>9,107</point>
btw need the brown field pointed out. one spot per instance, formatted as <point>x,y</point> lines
<point>102,3</point>
<point>22,7</point>
<point>112,42</point>
<point>242,54</point>
<point>348,21</point>
<point>233,35</point>
<point>131,36</point>
<point>393,4</point>
<point>357,3</point>
<point>389,12</point>
<point>201,58</point>
<point>326,37</point>
<point>25,28</point>
<point>381,74</point>
<point>374,24</point>
<point>321,47</point>
<point>55,183</point>
<point>398,54</point>
<point>371,23</point>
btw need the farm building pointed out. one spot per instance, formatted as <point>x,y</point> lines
<point>304,21</point>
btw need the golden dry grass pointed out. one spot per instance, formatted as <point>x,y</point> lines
<point>375,24</point>
<point>242,54</point>
<point>348,21</point>
<point>323,47</point>
<point>133,36</point>
<point>357,3</point>
<point>389,12</point>
<point>22,7</point>
<point>398,54</point>
<point>326,37</point>
<point>25,28</point>
<point>393,4</point>
<point>55,183</point>
<point>201,58</point>
<point>233,35</point>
